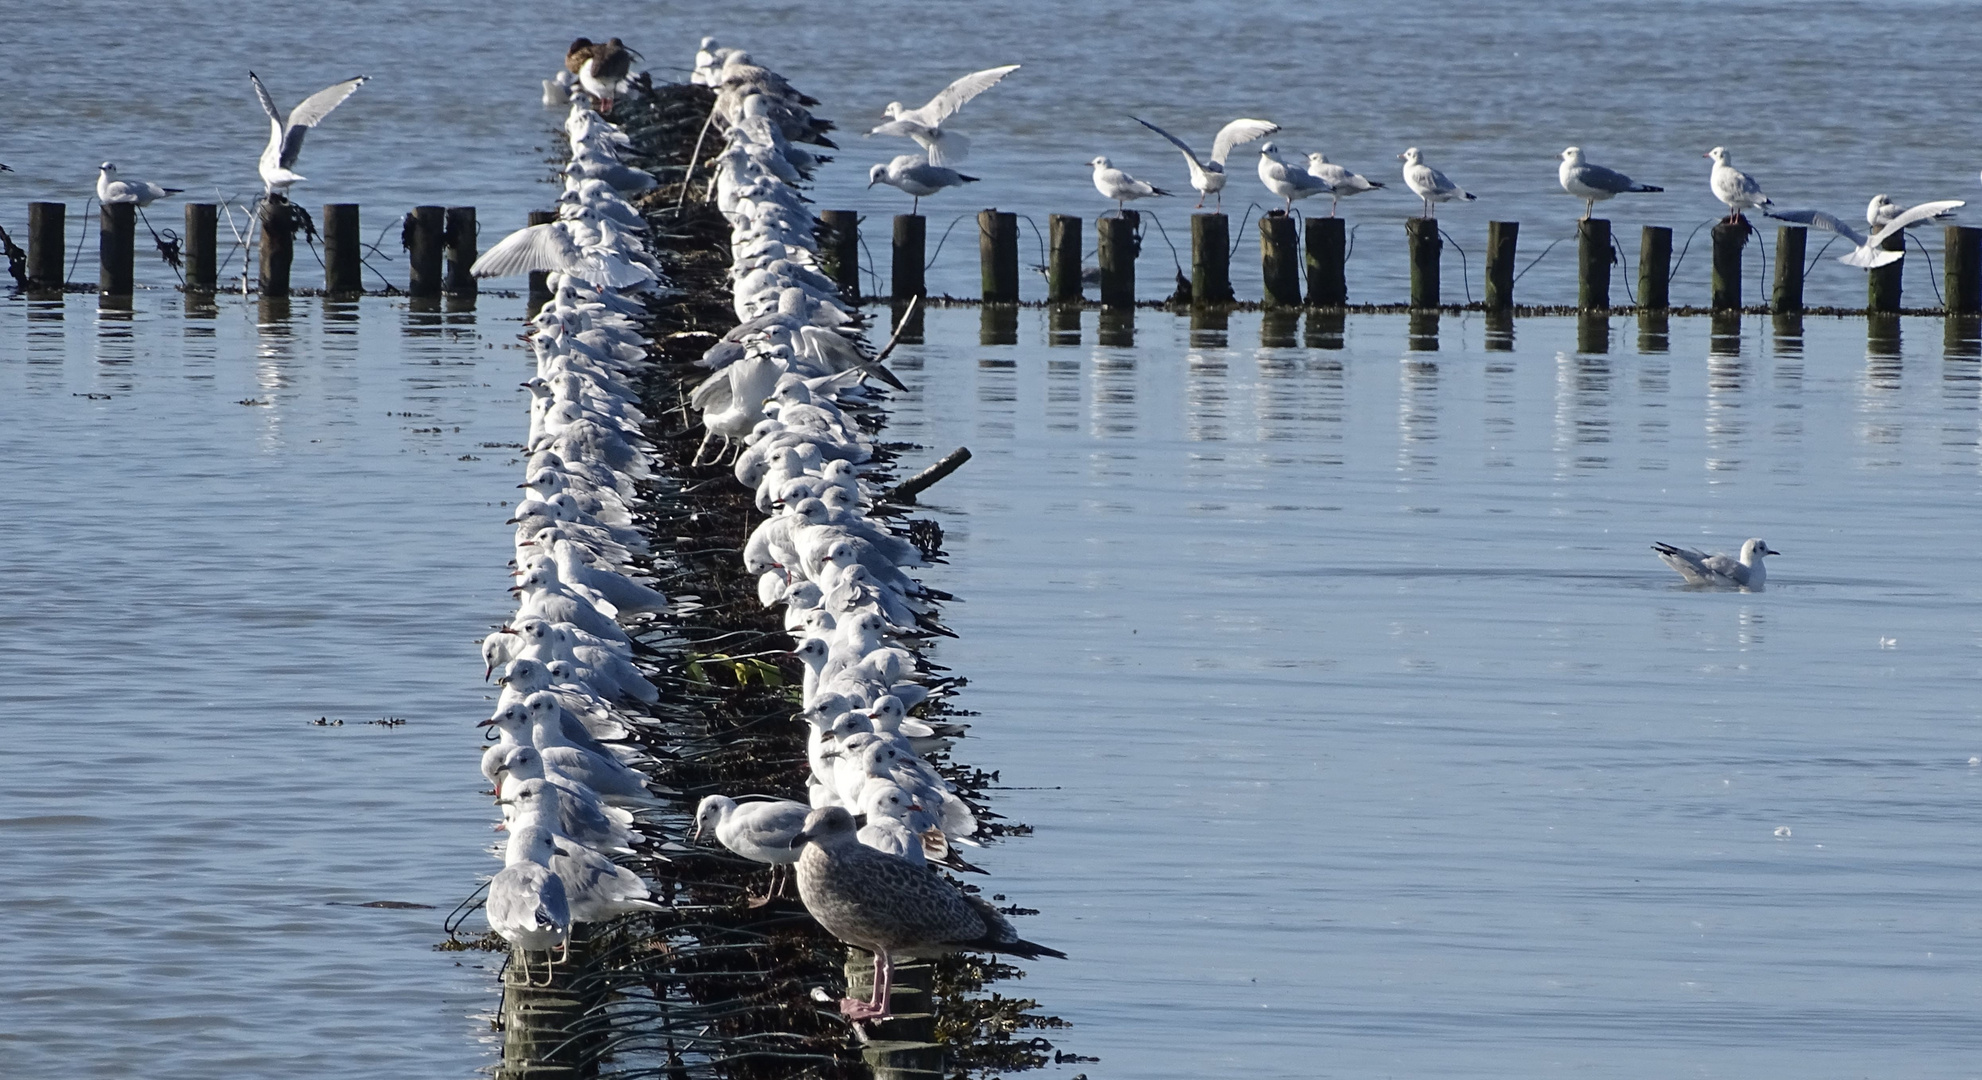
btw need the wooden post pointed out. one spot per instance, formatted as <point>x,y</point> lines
<point>116,235</point>
<point>1788,295</point>
<point>1279,267</point>
<point>1327,258</point>
<point>1421,235</point>
<point>47,244</point>
<point>278,246</point>
<point>839,251</point>
<point>1211,259</point>
<point>1593,265</point>
<point>458,237</point>
<point>540,289</point>
<point>1063,263</point>
<point>1118,249</point>
<point>536,1020</point>
<point>1655,268</point>
<point>202,247</point>
<point>902,1047</point>
<point>998,256</point>
<point>905,275</point>
<point>1882,284</point>
<point>1502,239</point>
<point>425,227</point>
<point>343,270</point>
<point>1963,259</point>
<point>1729,239</point>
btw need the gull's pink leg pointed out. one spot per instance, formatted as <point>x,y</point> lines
<point>876,1008</point>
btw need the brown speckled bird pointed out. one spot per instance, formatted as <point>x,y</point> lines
<point>600,67</point>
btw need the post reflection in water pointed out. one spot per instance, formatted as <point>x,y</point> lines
<point>1882,334</point>
<point>1726,334</point>
<point>1962,335</point>
<point>1325,328</point>
<point>1500,331</point>
<point>1277,328</point>
<point>1582,411</point>
<point>1116,328</point>
<point>997,398</point>
<point>911,333</point>
<point>1063,324</point>
<point>1208,327</point>
<point>1112,407</point>
<point>1592,332</point>
<point>1654,333</point>
<point>1207,397</point>
<point>1724,421</point>
<point>1787,339</point>
<point>1424,331</point>
<point>998,324</point>
<point>1417,416</point>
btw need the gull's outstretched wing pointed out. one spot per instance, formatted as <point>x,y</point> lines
<point>311,113</point>
<point>1236,132</point>
<point>1174,141</point>
<point>268,103</point>
<point>1914,214</point>
<point>1817,219</point>
<point>957,94</point>
<point>536,247</point>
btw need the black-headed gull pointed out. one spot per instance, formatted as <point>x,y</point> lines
<point>925,125</point>
<point>527,903</point>
<point>1115,184</point>
<point>285,136</point>
<point>759,830</point>
<point>1208,175</point>
<point>1700,568</point>
<point>1341,182</point>
<point>1882,210</point>
<point>111,189</point>
<point>1735,188</point>
<point>1285,180</point>
<point>1867,252</point>
<point>1593,183</point>
<point>913,173</point>
<point>891,907</point>
<point>1428,183</point>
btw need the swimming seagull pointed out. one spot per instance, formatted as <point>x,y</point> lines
<point>1867,251</point>
<point>887,905</point>
<point>1881,210</point>
<point>1593,183</point>
<point>1208,176</point>
<point>913,173</point>
<point>109,189</point>
<point>1284,180</point>
<point>925,125</point>
<point>1700,568</point>
<point>1115,184</point>
<point>1428,183</point>
<point>285,137</point>
<point>1735,188</point>
<point>1341,182</point>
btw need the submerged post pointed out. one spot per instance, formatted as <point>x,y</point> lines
<point>839,250</point>
<point>278,246</point>
<point>1211,259</point>
<point>1118,249</point>
<point>1280,269</point>
<point>1421,234</point>
<point>458,237</point>
<point>1963,256</point>
<point>47,237</point>
<point>1063,259</point>
<point>1502,237</point>
<point>905,275</point>
<point>116,235</point>
<point>1787,299</point>
<point>1729,239</point>
<point>1327,257</point>
<point>1593,264</point>
<point>540,289</point>
<point>343,270</point>
<point>1655,268</point>
<point>424,228</point>
<point>202,247</point>
<point>1882,284</point>
<point>998,256</point>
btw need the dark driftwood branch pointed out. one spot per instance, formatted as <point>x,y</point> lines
<point>907,490</point>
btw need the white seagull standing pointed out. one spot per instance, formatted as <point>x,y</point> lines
<point>1341,182</point>
<point>1284,180</point>
<point>1593,183</point>
<point>110,189</point>
<point>913,173</point>
<point>285,137</point>
<point>1208,176</point>
<point>925,125</point>
<point>1700,568</point>
<point>1115,184</point>
<point>1428,183</point>
<point>1735,188</point>
<point>1866,252</point>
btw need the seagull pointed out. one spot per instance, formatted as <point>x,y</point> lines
<point>1882,210</point>
<point>109,189</point>
<point>1867,251</point>
<point>527,903</point>
<point>760,831</point>
<point>1428,183</point>
<point>1341,182</point>
<point>913,173</point>
<point>285,137</point>
<point>1593,183</point>
<point>565,246</point>
<point>1284,180</point>
<point>925,125</point>
<point>1700,568</point>
<point>891,907</point>
<point>1115,184</point>
<point>1735,188</point>
<point>600,67</point>
<point>1208,177</point>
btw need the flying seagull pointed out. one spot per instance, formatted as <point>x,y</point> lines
<point>925,125</point>
<point>1208,176</point>
<point>285,137</point>
<point>1866,252</point>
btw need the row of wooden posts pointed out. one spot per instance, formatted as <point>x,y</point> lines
<point>433,234</point>
<point>1325,254</point>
